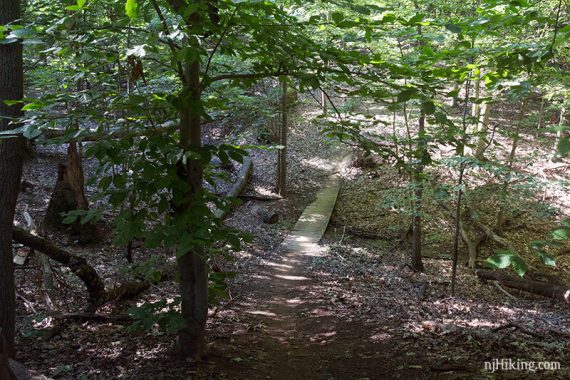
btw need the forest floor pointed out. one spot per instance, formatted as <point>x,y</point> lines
<point>348,310</point>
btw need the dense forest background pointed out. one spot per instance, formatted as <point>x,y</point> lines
<point>284,189</point>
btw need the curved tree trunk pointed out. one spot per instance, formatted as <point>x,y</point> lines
<point>11,150</point>
<point>79,266</point>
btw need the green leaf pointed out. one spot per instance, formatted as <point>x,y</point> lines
<point>337,17</point>
<point>32,106</point>
<point>504,258</point>
<point>556,128</point>
<point>406,95</point>
<point>78,7</point>
<point>131,8</point>
<point>415,19</point>
<point>519,265</point>
<point>441,193</point>
<point>453,28</point>
<point>561,234</point>
<point>105,183</point>
<point>12,102</point>
<point>547,259</point>
<point>564,146</point>
<point>70,218</point>
<point>30,132</point>
<point>428,107</point>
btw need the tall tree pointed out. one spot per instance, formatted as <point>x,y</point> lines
<point>11,88</point>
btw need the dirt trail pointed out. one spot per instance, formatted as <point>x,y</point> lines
<point>293,335</point>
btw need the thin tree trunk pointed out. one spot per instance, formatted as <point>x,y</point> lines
<point>540,116</point>
<point>11,151</point>
<point>417,263</point>
<point>559,135</point>
<point>282,155</point>
<point>482,131</point>
<point>501,216</point>
<point>455,255</point>
<point>324,101</point>
<point>455,99</point>
<point>192,265</point>
<point>476,108</point>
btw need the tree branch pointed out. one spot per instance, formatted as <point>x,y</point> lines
<point>218,43</point>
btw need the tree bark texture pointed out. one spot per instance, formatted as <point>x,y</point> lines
<point>69,195</point>
<point>11,150</point>
<point>192,266</point>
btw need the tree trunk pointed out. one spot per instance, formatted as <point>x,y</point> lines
<point>324,101</point>
<point>560,135</point>
<point>540,116</point>
<point>5,373</point>
<point>482,130</point>
<point>455,99</point>
<point>69,195</point>
<point>416,259</point>
<point>476,108</point>
<point>11,151</point>
<point>282,155</point>
<point>192,265</point>
<point>501,216</point>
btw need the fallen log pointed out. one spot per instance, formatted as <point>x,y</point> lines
<point>98,295</point>
<point>545,289</point>
<point>243,176</point>
<point>93,317</point>
<point>262,198</point>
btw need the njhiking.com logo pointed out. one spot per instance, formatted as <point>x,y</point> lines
<point>520,365</point>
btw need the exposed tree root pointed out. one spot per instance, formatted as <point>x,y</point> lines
<point>491,234</point>
<point>98,295</point>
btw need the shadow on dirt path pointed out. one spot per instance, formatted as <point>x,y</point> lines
<point>291,334</point>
